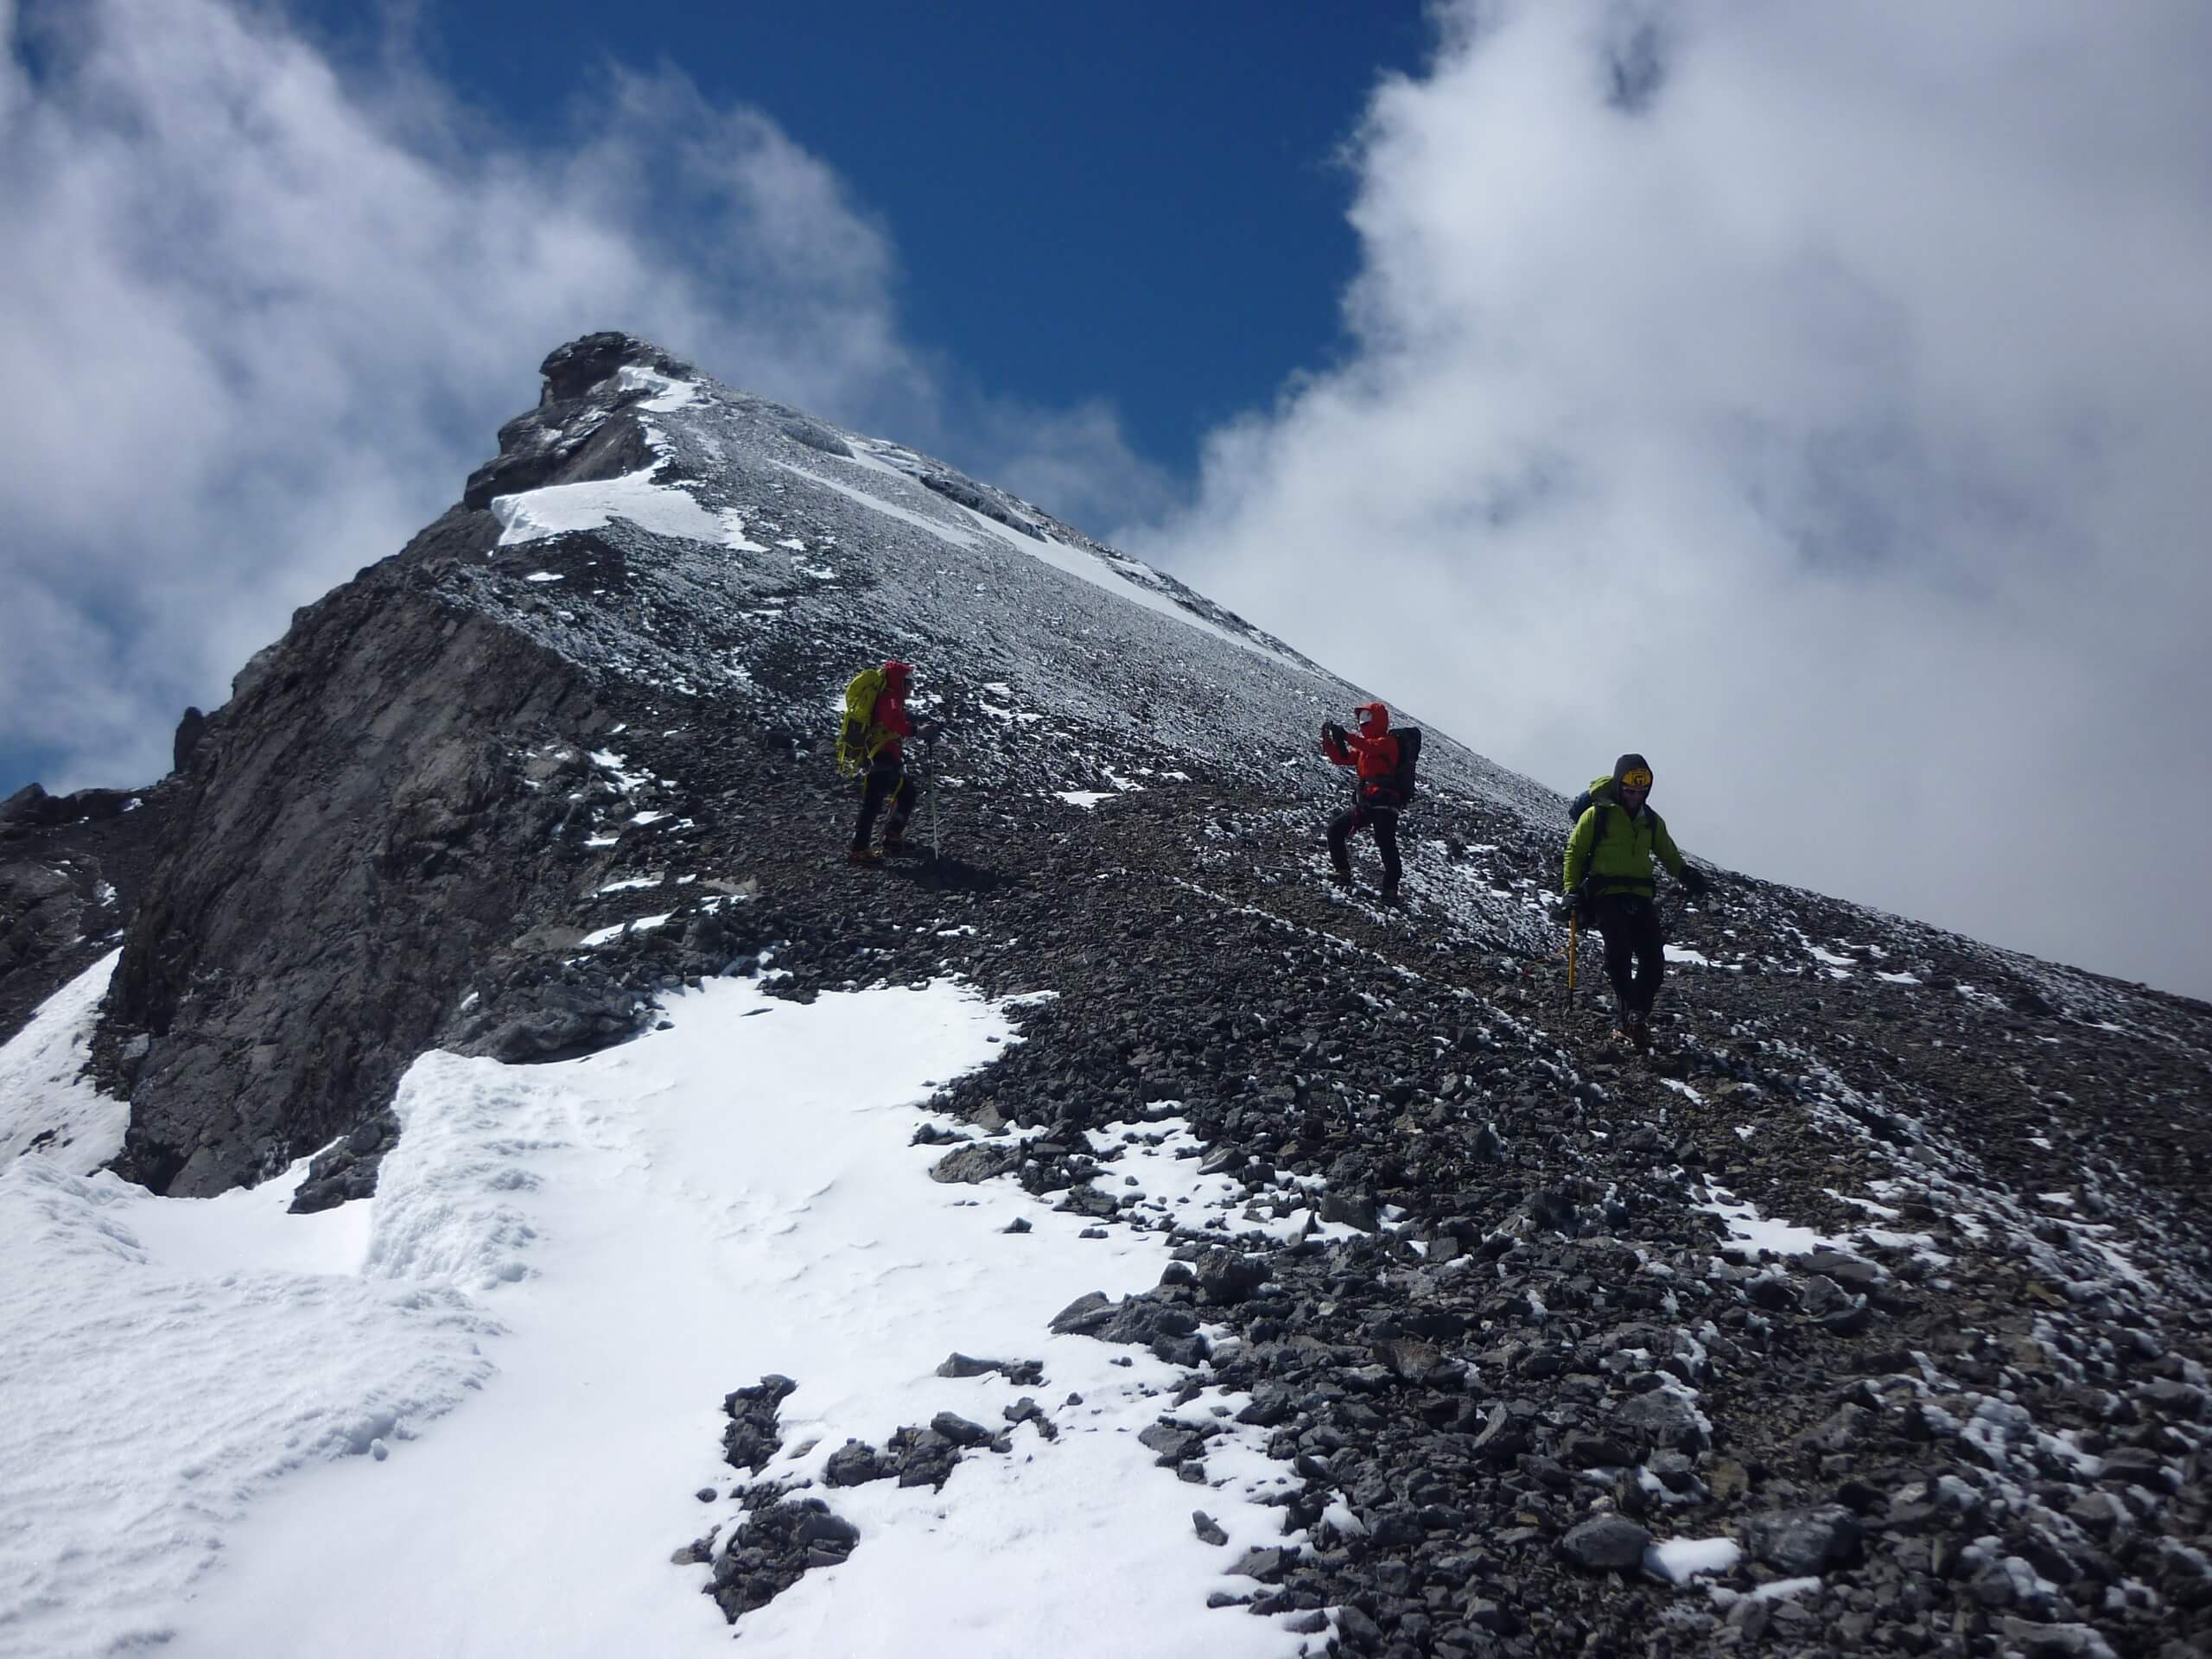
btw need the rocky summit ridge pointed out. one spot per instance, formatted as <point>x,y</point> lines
<point>569,749</point>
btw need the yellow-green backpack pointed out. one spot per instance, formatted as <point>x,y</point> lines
<point>861,693</point>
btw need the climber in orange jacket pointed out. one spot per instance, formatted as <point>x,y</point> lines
<point>1373,754</point>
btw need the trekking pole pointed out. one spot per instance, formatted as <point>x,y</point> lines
<point>1573,937</point>
<point>936,840</point>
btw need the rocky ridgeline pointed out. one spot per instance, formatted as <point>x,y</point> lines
<point>1483,1279</point>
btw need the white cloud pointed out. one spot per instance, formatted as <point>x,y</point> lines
<point>1075,463</point>
<point>1809,396</point>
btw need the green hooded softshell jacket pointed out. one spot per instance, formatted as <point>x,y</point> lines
<point>1621,860</point>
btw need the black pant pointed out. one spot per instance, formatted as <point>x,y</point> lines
<point>1384,820</point>
<point>886,781</point>
<point>1631,925</point>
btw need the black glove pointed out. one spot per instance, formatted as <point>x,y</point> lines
<point>1693,879</point>
<point>927,730</point>
<point>1332,734</point>
<point>1569,906</point>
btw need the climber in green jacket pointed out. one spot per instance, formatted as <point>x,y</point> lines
<point>1608,880</point>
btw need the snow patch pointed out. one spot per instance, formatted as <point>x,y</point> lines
<point>560,509</point>
<point>671,395</point>
<point>608,935</point>
<point>1679,1559</point>
<point>1751,1233</point>
<point>46,1107</point>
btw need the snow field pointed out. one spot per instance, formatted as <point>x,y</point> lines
<point>43,1105</point>
<point>166,1360</point>
<point>591,1255</point>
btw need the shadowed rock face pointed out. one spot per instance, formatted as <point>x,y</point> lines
<point>72,870</point>
<point>353,835</point>
<point>356,835</point>
<point>497,798</point>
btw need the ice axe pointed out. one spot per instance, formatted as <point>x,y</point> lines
<point>1572,905</point>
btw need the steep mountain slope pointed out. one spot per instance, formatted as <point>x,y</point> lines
<point>568,750</point>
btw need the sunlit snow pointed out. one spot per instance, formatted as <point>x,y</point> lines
<point>1679,1559</point>
<point>1751,1232</point>
<point>43,1103</point>
<point>661,509</point>
<point>670,394</point>
<point>584,1257</point>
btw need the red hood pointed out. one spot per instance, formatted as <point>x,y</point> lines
<point>1374,719</point>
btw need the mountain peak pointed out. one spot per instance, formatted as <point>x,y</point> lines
<point>576,369</point>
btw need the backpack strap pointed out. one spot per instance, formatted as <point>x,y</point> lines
<point>1597,835</point>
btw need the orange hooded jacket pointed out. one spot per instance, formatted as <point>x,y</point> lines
<point>1371,750</point>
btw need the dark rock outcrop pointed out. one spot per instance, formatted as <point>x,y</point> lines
<point>355,834</point>
<point>189,731</point>
<point>72,870</point>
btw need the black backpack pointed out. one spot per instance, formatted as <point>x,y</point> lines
<point>1401,781</point>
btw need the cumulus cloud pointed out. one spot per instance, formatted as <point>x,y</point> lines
<point>1076,462</point>
<point>264,311</point>
<point>1809,396</point>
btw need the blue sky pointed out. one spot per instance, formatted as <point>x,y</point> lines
<point>1809,398</point>
<point>1143,202</point>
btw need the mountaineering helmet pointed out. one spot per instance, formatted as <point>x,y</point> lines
<point>1632,772</point>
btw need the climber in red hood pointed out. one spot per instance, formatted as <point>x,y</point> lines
<point>889,725</point>
<point>1373,754</point>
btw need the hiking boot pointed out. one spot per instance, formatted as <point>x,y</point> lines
<point>862,856</point>
<point>1622,1021</point>
<point>1389,896</point>
<point>1639,1033</point>
<point>894,846</point>
<point>1341,878</point>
